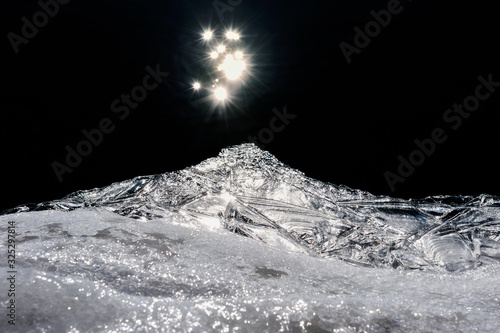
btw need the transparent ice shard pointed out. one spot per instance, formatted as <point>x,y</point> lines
<point>249,192</point>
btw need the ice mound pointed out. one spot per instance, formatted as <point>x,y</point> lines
<point>243,243</point>
<point>253,194</point>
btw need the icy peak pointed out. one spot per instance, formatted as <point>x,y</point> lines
<point>250,192</point>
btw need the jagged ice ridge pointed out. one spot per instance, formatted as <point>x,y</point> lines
<point>243,243</point>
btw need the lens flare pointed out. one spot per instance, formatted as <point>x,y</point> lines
<point>220,93</point>
<point>225,63</point>
<point>232,35</point>
<point>207,35</point>
<point>238,55</point>
<point>221,48</point>
<point>232,68</point>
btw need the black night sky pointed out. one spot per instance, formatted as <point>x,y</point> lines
<point>345,122</point>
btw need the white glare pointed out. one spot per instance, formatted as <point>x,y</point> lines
<point>232,67</point>
<point>224,55</point>
<point>221,48</point>
<point>232,35</point>
<point>207,35</point>
<point>220,93</point>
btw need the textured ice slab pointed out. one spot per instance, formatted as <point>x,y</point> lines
<point>244,243</point>
<point>249,192</point>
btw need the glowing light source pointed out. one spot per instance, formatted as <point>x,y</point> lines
<point>220,93</point>
<point>223,53</point>
<point>207,35</point>
<point>221,48</point>
<point>238,55</point>
<point>231,67</point>
<point>232,35</point>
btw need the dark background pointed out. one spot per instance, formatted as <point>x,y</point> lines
<point>353,120</point>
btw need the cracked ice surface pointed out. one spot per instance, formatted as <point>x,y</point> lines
<point>243,243</point>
